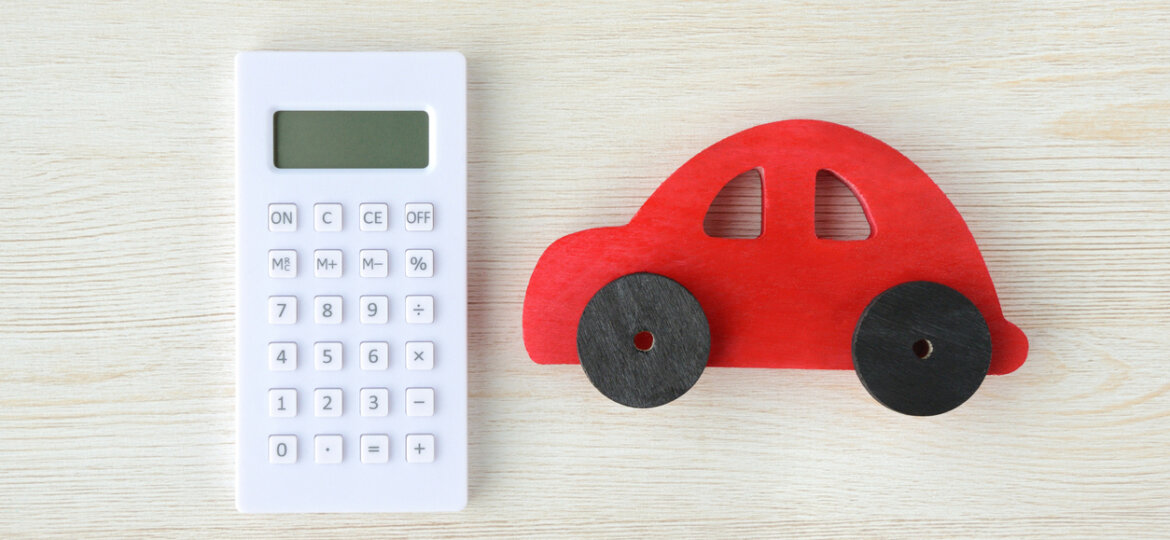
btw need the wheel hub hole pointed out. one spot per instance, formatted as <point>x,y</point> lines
<point>923,348</point>
<point>644,341</point>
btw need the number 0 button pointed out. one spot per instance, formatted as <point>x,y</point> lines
<point>282,449</point>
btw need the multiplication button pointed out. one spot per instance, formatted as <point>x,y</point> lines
<point>420,355</point>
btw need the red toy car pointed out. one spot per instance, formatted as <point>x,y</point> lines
<point>911,308</point>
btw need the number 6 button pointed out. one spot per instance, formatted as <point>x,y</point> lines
<point>375,355</point>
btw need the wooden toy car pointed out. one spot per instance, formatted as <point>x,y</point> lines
<point>911,308</point>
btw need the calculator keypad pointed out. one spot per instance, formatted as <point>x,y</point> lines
<point>368,312</point>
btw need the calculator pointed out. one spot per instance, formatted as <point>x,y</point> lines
<point>352,282</point>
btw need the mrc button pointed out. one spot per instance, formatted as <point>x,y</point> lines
<point>420,216</point>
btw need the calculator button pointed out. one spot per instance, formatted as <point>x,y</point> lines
<point>375,309</point>
<point>328,448</point>
<point>327,355</point>
<point>420,355</point>
<point>420,263</point>
<point>327,401</point>
<point>327,309</point>
<point>373,216</point>
<point>282,263</point>
<point>420,216</point>
<point>327,263</point>
<point>282,217</point>
<point>282,356</point>
<point>282,449</point>
<point>375,355</point>
<point>420,448</point>
<point>282,402</point>
<point>282,310</point>
<point>375,401</point>
<point>374,262</point>
<point>327,217</point>
<point>420,309</point>
<point>420,402</point>
<point>375,448</point>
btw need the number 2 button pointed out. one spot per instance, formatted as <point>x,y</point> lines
<point>327,401</point>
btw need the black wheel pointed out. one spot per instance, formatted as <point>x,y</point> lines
<point>643,340</point>
<point>921,348</point>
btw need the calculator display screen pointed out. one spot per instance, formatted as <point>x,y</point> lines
<point>351,139</point>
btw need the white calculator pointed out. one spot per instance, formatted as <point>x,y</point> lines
<point>352,276</point>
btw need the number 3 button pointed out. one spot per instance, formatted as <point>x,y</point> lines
<point>375,401</point>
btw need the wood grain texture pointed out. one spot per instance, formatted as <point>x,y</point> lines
<point>1047,124</point>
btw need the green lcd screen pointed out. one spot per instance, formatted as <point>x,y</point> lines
<point>351,139</point>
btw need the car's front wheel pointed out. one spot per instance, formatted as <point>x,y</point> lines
<point>643,340</point>
<point>921,348</point>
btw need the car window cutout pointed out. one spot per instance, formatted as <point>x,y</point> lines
<point>839,214</point>
<point>738,210</point>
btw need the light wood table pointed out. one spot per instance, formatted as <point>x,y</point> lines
<point>1047,125</point>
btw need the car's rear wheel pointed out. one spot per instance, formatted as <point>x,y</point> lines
<point>921,348</point>
<point>643,340</point>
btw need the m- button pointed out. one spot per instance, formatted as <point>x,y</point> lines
<point>373,216</point>
<point>420,217</point>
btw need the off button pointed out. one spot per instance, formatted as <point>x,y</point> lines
<point>420,216</point>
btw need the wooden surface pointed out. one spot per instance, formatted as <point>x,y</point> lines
<point>1048,127</point>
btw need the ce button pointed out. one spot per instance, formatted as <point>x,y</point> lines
<point>373,216</point>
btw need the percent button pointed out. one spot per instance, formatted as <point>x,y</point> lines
<point>420,263</point>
